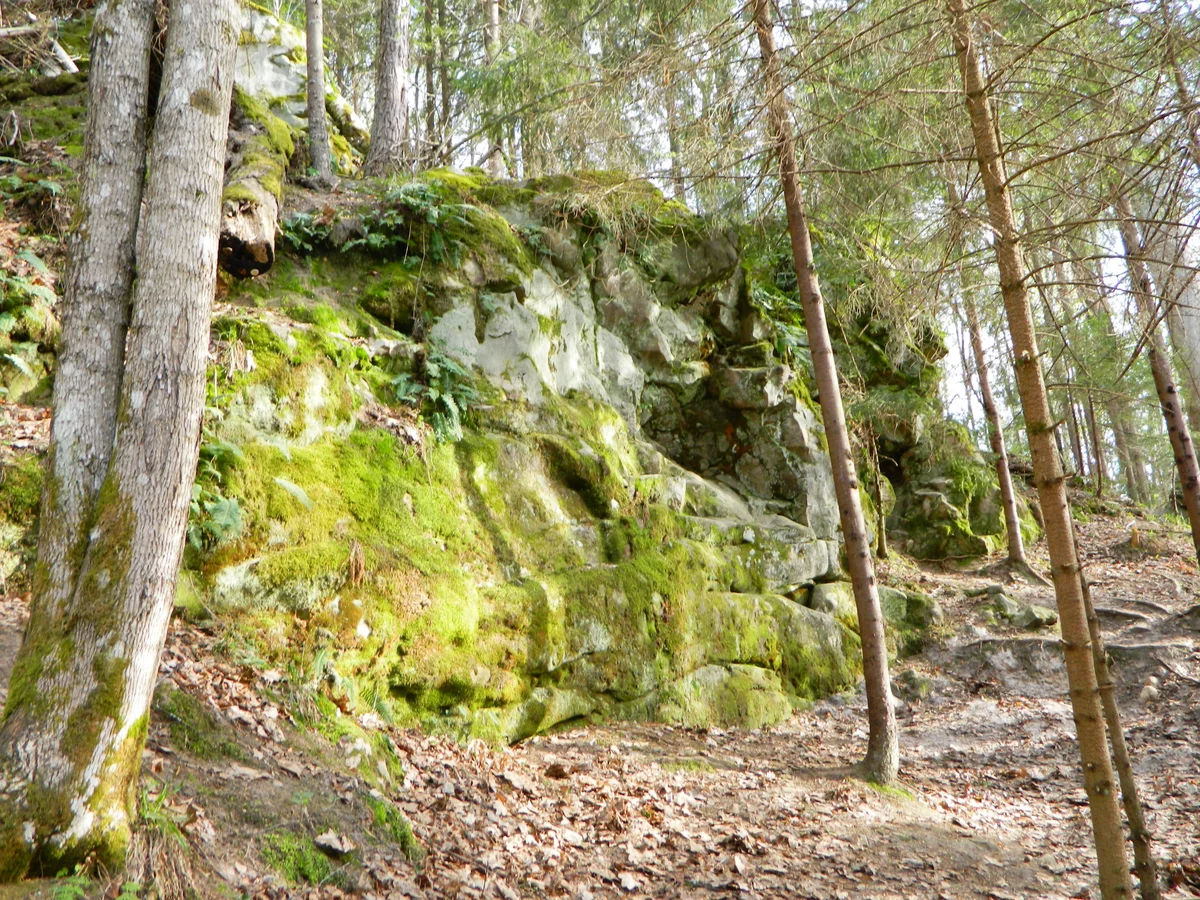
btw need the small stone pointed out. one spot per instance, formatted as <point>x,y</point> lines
<point>748,536</point>
<point>334,844</point>
<point>1006,607</point>
<point>1034,617</point>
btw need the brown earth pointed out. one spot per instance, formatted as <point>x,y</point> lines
<point>990,803</point>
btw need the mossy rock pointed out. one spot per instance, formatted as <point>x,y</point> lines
<point>726,696</point>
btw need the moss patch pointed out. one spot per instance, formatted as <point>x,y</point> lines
<point>21,490</point>
<point>193,727</point>
<point>398,829</point>
<point>296,858</point>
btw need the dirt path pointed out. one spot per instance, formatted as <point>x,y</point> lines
<point>990,804</point>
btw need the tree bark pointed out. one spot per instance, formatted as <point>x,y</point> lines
<point>389,131</point>
<point>1048,477</point>
<point>75,724</point>
<point>1093,429</point>
<point>443,81</point>
<point>882,760</point>
<point>1160,367</point>
<point>318,127</point>
<point>1008,497</point>
<point>91,351</point>
<point>1170,258</point>
<point>429,152</point>
<point>493,163</point>
<point>1143,856</point>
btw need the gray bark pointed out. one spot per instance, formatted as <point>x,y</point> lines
<point>882,761</point>
<point>318,127</point>
<point>389,131</point>
<point>494,163</point>
<point>76,719</point>
<point>91,351</point>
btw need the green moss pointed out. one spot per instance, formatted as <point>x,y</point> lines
<point>21,490</point>
<point>265,155</point>
<point>278,133</point>
<point>689,765</point>
<point>398,829</point>
<point>194,728</point>
<point>296,858</point>
<point>392,296</point>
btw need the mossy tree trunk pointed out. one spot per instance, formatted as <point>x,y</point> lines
<point>1160,366</point>
<point>389,129</point>
<point>75,722</point>
<point>882,762</point>
<point>1048,476</point>
<point>91,353</point>
<point>260,149</point>
<point>318,127</point>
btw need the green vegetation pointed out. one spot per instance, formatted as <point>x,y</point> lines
<point>194,728</point>
<point>296,858</point>
<point>398,829</point>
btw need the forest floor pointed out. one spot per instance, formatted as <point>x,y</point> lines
<point>990,802</point>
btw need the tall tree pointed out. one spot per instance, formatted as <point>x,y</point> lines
<point>318,127</point>
<point>389,150</point>
<point>75,721</point>
<point>1048,475</point>
<point>494,161</point>
<point>882,761</point>
<point>1008,497</point>
<point>91,354</point>
<point>1160,366</point>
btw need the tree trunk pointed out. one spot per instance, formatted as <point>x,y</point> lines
<point>429,151</point>
<point>1160,368</point>
<point>318,127</point>
<point>444,82</point>
<point>493,163</point>
<point>91,352</point>
<point>1048,476</point>
<point>260,149</point>
<point>1170,258</point>
<point>1143,855</point>
<point>1124,456</point>
<point>1187,103</point>
<point>1093,428</point>
<point>1133,466</point>
<point>882,761</point>
<point>1008,497</point>
<point>76,719</point>
<point>389,131</point>
<point>678,189</point>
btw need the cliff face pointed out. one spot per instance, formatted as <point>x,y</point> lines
<point>614,498</point>
<point>495,456</point>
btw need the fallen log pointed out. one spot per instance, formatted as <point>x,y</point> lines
<point>260,148</point>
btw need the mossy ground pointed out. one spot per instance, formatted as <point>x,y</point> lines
<point>194,728</point>
<point>296,858</point>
